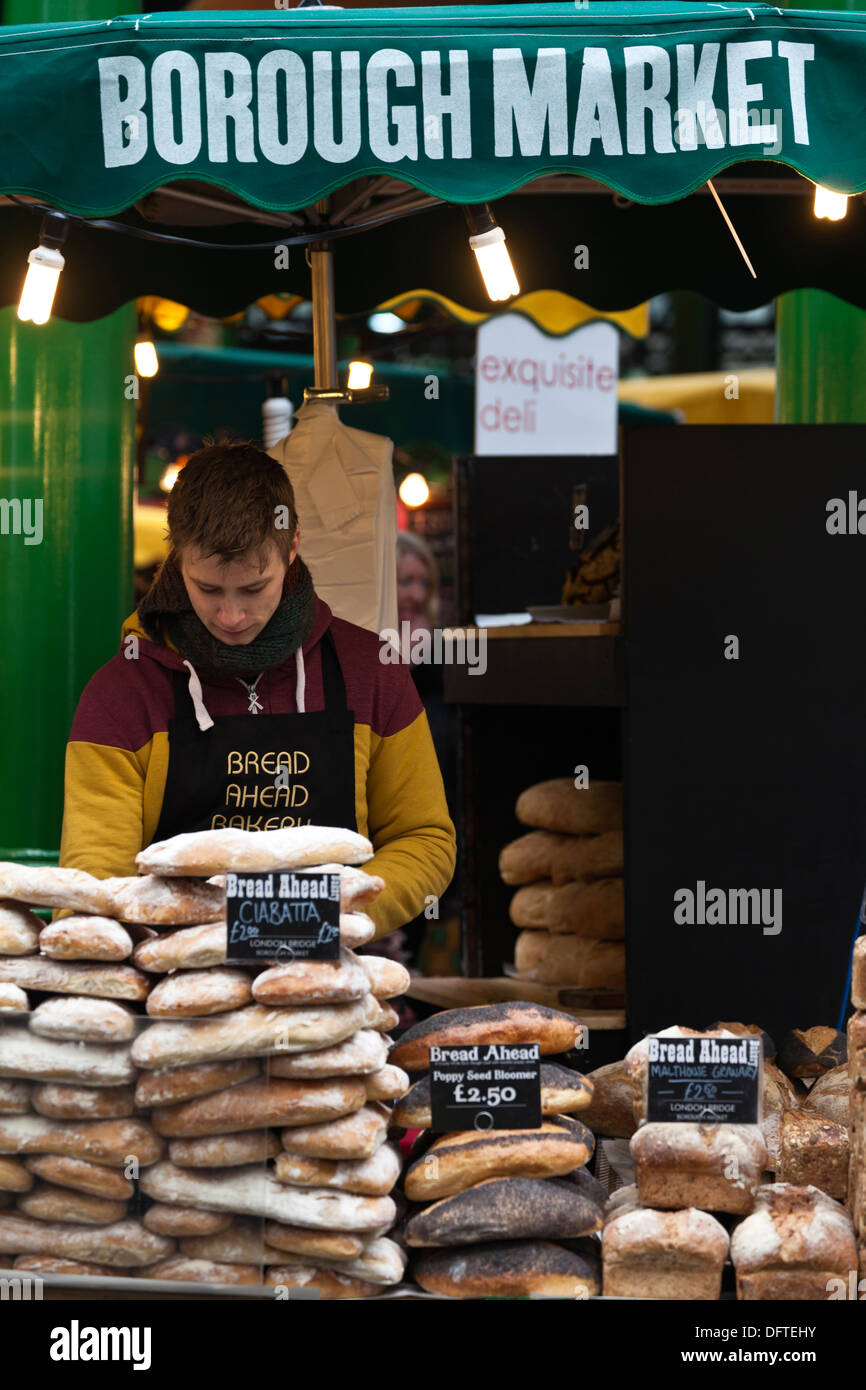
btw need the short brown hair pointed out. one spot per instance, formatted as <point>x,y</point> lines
<point>225,503</point>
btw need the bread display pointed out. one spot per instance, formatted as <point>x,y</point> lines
<point>793,1244</point>
<point>677,1254</point>
<point>813,1152</point>
<point>140,1079</point>
<point>714,1167</point>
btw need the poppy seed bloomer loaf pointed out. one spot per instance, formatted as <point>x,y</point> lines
<point>513,1022</point>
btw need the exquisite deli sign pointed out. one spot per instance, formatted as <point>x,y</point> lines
<point>281,105</point>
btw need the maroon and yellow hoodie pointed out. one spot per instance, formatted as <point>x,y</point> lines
<point>117,759</point>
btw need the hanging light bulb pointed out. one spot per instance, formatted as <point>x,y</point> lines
<point>829,204</point>
<point>487,240</point>
<point>44,265</point>
<point>144,352</point>
<point>360,375</point>
<point>414,490</point>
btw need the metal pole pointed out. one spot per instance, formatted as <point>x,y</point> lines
<point>324,322</point>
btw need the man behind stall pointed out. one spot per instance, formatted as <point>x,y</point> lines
<point>238,699</point>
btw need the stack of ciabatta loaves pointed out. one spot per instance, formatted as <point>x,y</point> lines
<point>568,868</point>
<point>508,1212</point>
<point>265,1087</point>
<point>71,1139</point>
<point>857,1077</point>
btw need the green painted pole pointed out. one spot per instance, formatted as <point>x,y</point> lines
<point>67,441</point>
<point>820,341</point>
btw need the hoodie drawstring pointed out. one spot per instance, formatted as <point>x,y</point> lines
<point>300,682</point>
<point>203,719</point>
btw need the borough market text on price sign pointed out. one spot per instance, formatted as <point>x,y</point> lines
<point>705,1080</point>
<point>287,915</point>
<point>485,1086</point>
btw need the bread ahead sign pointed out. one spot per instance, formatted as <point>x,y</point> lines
<point>467,102</point>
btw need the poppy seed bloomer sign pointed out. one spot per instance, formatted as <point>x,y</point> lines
<point>466,102</point>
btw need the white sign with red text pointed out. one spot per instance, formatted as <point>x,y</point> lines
<point>540,395</point>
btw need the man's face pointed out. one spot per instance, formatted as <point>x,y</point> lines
<point>235,601</point>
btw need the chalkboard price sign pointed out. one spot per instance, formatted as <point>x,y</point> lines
<point>291,914</point>
<point>485,1086</point>
<point>705,1080</point>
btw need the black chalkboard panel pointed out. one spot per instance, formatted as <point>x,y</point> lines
<point>750,773</point>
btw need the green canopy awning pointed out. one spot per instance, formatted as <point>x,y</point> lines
<point>465,103</point>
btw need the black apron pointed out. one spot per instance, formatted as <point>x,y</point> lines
<point>262,771</point>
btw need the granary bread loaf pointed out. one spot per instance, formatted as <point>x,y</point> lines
<point>813,1151</point>
<point>663,1254</point>
<point>795,1242</point>
<point>712,1167</point>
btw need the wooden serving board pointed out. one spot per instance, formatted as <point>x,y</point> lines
<point>458,992</point>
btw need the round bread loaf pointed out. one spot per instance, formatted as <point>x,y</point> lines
<point>595,909</point>
<point>566,959</point>
<point>169,1085</point>
<point>354,1136</point>
<point>561,858</point>
<point>49,1203</point>
<point>568,810</point>
<point>562,1092</point>
<point>165,1220</point>
<point>81,1175</point>
<point>199,993</point>
<point>312,981</point>
<point>224,1150</point>
<point>507,1269</point>
<point>513,1022</point>
<point>259,1104</point>
<point>457,1161</point>
<point>506,1209</point>
<point>611,1109</point>
<point>19,930</point>
<point>85,938</point>
<point>57,1101</point>
<point>831,1096</point>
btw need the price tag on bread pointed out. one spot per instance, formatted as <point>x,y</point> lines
<point>283,915</point>
<point>704,1080</point>
<point>485,1086</point>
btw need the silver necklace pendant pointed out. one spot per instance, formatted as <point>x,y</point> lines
<point>256,706</point>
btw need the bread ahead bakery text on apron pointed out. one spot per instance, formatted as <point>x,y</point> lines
<point>259,771</point>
